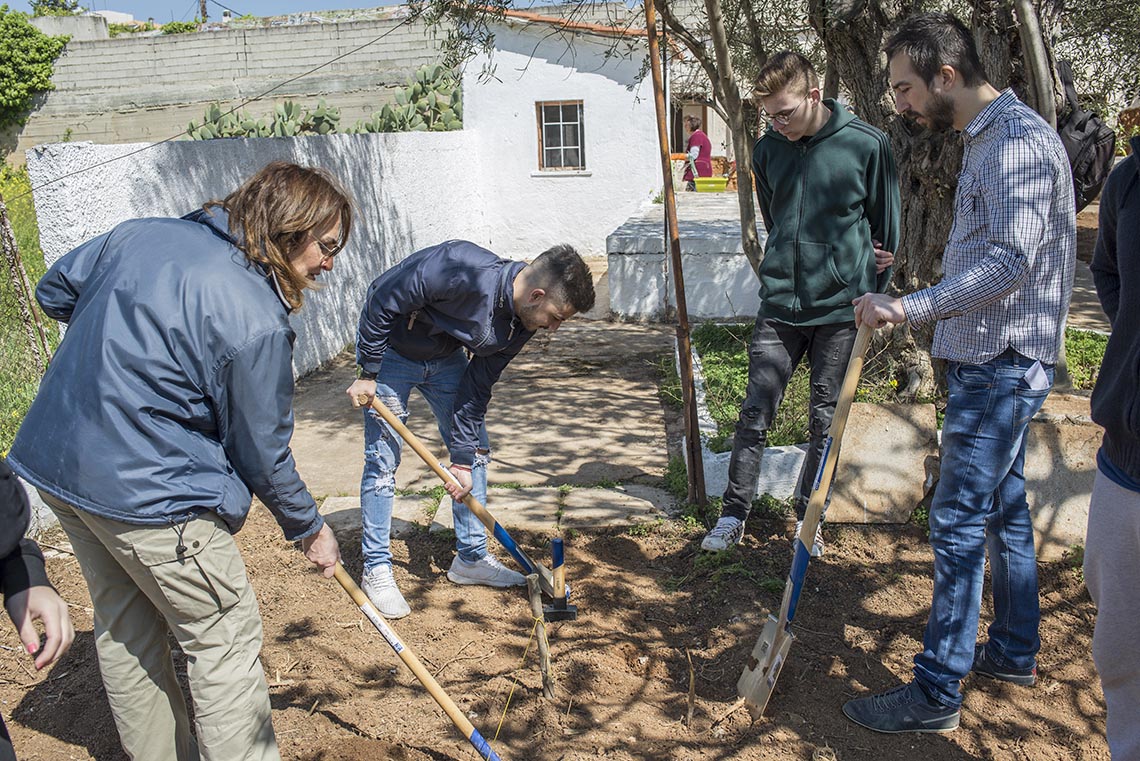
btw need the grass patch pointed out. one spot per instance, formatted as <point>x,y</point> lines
<point>515,485</point>
<point>723,350</point>
<point>1084,351</point>
<point>19,376</point>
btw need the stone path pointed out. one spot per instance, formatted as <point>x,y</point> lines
<point>576,410</point>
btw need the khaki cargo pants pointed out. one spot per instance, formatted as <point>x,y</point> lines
<point>142,588</point>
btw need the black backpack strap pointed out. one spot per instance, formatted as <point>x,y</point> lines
<point>1065,71</point>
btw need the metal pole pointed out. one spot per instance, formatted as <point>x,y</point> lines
<point>693,458</point>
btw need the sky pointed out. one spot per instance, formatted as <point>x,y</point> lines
<point>185,10</point>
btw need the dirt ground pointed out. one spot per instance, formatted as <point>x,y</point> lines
<point>648,601</point>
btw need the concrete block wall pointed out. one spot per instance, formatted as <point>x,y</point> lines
<point>130,88</point>
<point>412,190</point>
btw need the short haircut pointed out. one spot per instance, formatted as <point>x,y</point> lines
<point>694,122</point>
<point>280,209</point>
<point>786,70</point>
<point>933,40</point>
<point>561,272</point>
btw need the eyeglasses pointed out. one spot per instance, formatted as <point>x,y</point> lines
<point>784,117</point>
<point>327,251</point>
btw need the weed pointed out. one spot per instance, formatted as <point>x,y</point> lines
<point>1075,557</point>
<point>677,478</point>
<point>767,506</point>
<point>515,485</point>
<point>698,517</point>
<point>645,529</point>
<point>773,585</point>
<point>605,483</point>
<point>921,518</point>
<point>564,490</point>
<point>571,533</point>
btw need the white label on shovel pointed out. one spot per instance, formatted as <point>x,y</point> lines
<point>382,626</point>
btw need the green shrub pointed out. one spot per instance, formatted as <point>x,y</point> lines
<point>116,30</point>
<point>19,376</point>
<point>1084,351</point>
<point>180,27</point>
<point>26,64</point>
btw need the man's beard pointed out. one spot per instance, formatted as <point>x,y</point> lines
<point>939,113</point>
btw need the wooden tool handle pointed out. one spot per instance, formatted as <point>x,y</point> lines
<point>458,718</point>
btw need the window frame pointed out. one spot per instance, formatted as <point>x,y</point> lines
<point>540,126</point>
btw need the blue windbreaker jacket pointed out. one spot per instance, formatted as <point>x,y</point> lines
<point>432,303</point>
<point>172,391</point>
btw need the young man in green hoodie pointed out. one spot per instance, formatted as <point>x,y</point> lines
<point>829,195</point>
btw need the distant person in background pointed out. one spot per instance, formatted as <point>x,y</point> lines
<point>698,152</point>
<point>1112,544</point>
<point>28,596</point>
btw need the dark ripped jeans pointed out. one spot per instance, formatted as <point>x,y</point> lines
<point>775,351</point>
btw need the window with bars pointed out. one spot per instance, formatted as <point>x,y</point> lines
<point>561,140</point>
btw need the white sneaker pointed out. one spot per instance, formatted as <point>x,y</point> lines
<point>380,586</point>
<point>486,571</point>
<point>816,546</point>
<point>726,533</point>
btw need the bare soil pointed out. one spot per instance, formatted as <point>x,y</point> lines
<point>646,605</point>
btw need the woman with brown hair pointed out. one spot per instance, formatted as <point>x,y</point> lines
<point>168,403</point>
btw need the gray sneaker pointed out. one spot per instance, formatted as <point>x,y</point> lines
<point>380,586</point>
<point>486,571</point>
<point>816,546</point>
<point>726,533</point>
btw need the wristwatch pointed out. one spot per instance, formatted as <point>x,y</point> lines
<point>364,374</point>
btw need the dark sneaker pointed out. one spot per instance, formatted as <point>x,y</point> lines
<point>903,709</point>
<point>727,533</point>
<point>985,666</point>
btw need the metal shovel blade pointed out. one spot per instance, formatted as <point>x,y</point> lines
<point>758,680</point>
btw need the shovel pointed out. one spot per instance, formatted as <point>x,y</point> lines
<point>767,659</point>
<point>545,577</point>
<point>411,661</point>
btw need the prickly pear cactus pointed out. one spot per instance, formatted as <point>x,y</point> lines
<point>288,120</point>
<point>432,100</point>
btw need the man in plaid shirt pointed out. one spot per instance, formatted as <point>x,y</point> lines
<point>1001,308</point>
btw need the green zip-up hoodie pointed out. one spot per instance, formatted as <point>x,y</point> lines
<point>824,198</point>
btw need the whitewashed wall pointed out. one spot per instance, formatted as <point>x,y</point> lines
<point>412,190</point>
<point>528,210</point>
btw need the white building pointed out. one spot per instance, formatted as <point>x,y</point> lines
<point>566,134</point>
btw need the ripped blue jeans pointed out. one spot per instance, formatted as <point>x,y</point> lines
<point>438,381</point>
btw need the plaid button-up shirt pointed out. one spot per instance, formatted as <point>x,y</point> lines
<point>1008,266</point>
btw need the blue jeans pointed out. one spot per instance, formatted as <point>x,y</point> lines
<point>438,381</point>
<point>773,354</point>
<point>979,507</point>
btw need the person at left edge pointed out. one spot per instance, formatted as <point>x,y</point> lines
<point>168,402</point>
<point>421,319</point>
